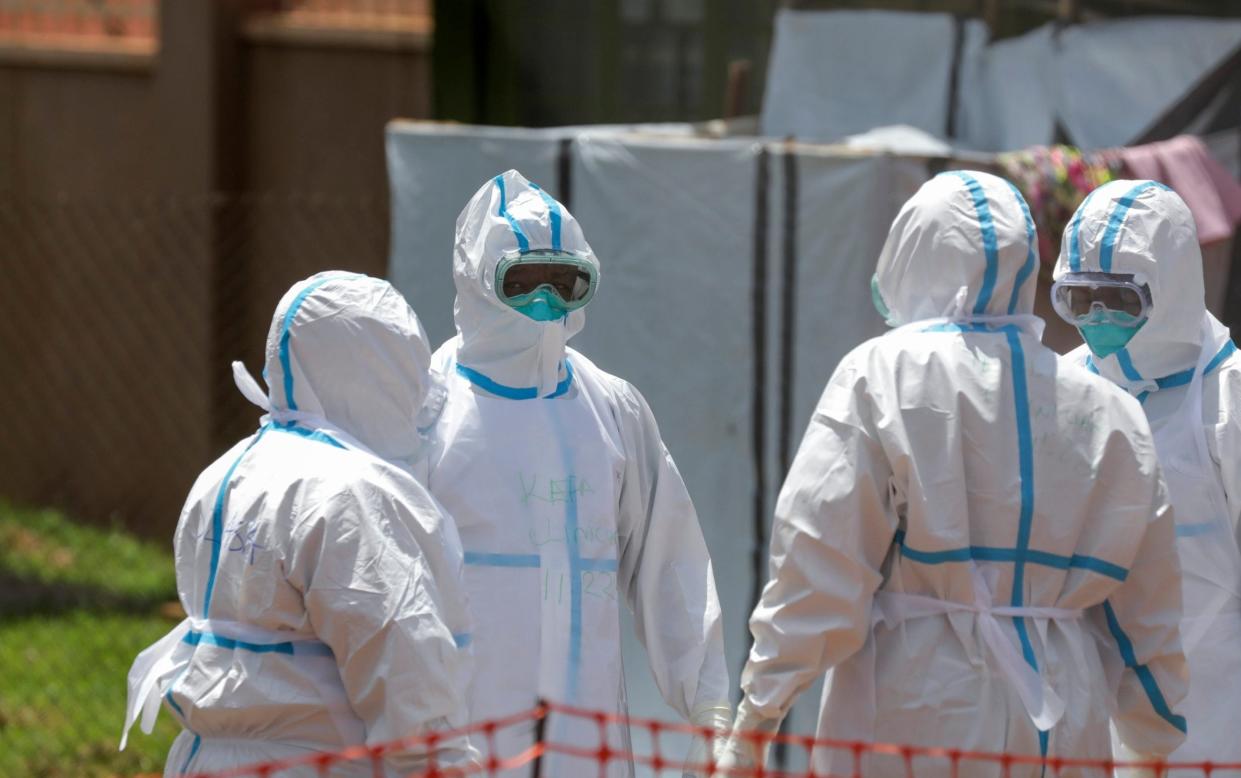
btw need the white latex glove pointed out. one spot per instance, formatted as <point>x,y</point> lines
<point>732,761</point>
<point>743,752</point>
<point>454,758</point>
<point>1125,754</point>
<point>698,762</point>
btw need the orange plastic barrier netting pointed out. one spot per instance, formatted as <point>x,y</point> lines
<point>867,759</point>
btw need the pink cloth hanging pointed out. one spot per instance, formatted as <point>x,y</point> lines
<point>1185,164</point>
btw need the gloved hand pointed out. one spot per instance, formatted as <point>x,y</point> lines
<point>454,756</point>
<point>717,719</point>
<point>743,752</point>
<point>734,759</point>
<point>1126,754</point>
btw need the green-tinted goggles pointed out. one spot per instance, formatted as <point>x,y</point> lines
<point>1081,298</point>
<point>570,275</point>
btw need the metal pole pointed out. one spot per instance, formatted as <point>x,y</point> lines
<point>540,734</point>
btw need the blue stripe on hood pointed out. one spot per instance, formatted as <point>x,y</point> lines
<point>989,243</point>
<point>553,214</point>
<point>522,242</point>
<point>1117,219</point>
<point>1031,257</point>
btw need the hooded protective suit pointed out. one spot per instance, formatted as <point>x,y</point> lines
<point>567,502</point>
<point>1183,368</point>
<point>961,511</point>
<point>323,583</point>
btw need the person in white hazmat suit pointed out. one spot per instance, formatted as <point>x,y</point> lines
<point>323,582</point>
<point>567,501</point>
<point>1129,277</point>
<point>972,537</point>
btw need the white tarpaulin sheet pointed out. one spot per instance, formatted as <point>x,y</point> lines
<point>673,225</point>
<point>837,73</point>
<point>735,274</point>
<point>1117,78</point>
<point>841,73</point>
<point>1010,102</point>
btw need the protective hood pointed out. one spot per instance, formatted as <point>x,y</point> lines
<point>510,213</point>
<point>348,349</point>
<point>1143,228</point>
<point>962,247</point>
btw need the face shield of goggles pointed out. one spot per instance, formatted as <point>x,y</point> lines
<point>1082,299</point>
<point>569,275</point>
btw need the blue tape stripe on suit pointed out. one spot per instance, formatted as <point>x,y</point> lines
<point>198,741</point>
<point>290,648</point>
<point>1126,365</point>
<point>315,435</point>
<point>217,523</point>
<point>996,554</point>
<point>1025,450</point>
<point>1144,674</point>
<point>502,560</point>
<point>515,392</point>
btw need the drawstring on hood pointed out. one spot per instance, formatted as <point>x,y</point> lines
<point>503,345</point>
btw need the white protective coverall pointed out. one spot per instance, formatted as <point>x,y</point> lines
<point>1182,366</point>
<point>568,504</point>
<point>323,582</point>
<point>962,511</point>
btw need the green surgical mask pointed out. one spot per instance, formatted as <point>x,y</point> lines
<point>543,304</point>
<point>1104,337</point>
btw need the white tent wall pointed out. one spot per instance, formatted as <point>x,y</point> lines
<point>725,306</point>
<point>1116,78</point>
<point>673,223</point>
<point>1104,82</point>
<point>1008,93</point>
<point>844,208</point>
<point>824,255</point>
<point>907,57</point>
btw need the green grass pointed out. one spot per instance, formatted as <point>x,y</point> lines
<point>76,605</point>
<point>44,545</point>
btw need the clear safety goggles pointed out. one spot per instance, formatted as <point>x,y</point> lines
<point>1091,298</point>
<point>569,274</point>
